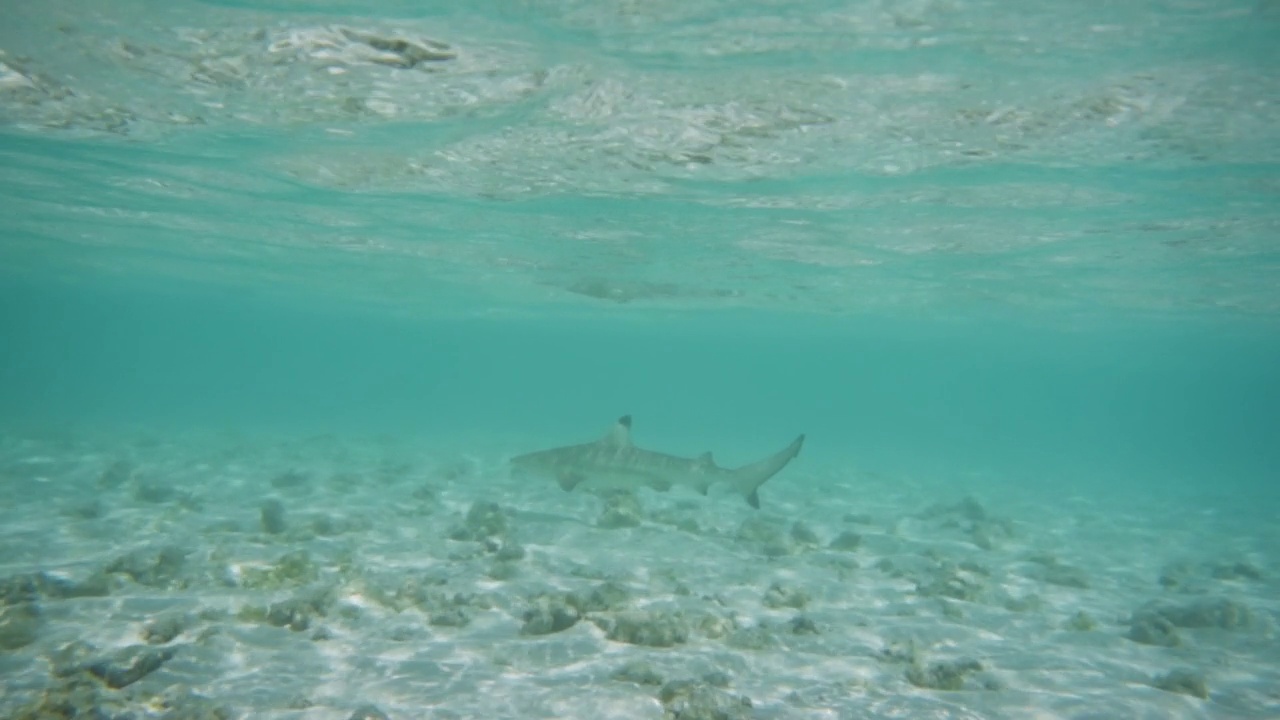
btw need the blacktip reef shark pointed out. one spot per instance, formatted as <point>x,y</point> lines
<point>614,461</point>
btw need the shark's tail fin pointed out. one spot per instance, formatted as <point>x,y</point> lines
<point>748,478</point>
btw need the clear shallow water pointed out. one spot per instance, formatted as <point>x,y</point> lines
<point>352,258</point>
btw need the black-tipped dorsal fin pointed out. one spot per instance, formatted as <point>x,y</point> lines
<point>620,434</point>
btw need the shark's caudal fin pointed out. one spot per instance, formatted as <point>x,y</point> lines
<point>748,478</point>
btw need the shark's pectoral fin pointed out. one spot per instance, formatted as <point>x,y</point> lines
<point>658,483</point>
<point>705,465</point>
<point>569,480</point>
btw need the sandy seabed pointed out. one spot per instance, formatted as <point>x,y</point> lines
<point>233,576</point>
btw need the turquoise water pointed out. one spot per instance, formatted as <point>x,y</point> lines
<point>1011,268</point>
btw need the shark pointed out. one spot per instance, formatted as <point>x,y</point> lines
<point>615,461</point>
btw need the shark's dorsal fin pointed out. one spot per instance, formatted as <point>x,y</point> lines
<point>620,434</point>
<point>705,460</point>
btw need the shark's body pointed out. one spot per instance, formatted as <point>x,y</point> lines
<point>614,461</point>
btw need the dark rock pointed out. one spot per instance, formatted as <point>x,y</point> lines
<point>346,481</point>
<point>1055,572</point>
<point>1235,571</point>
<point>423,592</point>
<point>444,610</point>
<point>291,479</point>
<point>327,526</point>
<point>30,587</point>
<point>1026,603</point>
<point>80,698</point>
<point>1176,574</point>
<point>1184,575</point>
<point>762,531</point>
<point>292,569</point>
<point>621,510</point>
<point>1046,559</point>
<point>484,520</point>
<point>272,517</point>
<point>717,678</point>
<point>1184,681</point>
<point>847,541</point>
<point>1205,613</point>
<point>639,672</point>
<point>777,549</point>
<point>801,625</point>
<point>476,601</point>
<point>651,628</point>
<point>1153,629</point>
<point>694,700</point>
<point>715,626</point>
<point>368,712</point>
<point>1066,576</point>
<point>689,525</point>
<point>19,625</point>
<point>942,675</point>
<point>292,613</point>
<point>52,586</point>
<point>390,471</point>
<point>96,585</point>
<point>453,617</point>
<point>548,615</point>
<point>606,596</point>
<point>1216,613</point>
<point>179,703</point>
<point>163,629</point>
<point>900,651</point>
<point>982,535</point>
<point>120,472</point>
<point>153,491</point>
<point>23,588</point>
<point>71,657</point>
<point>1082,622</point>
<point>968,509</point>
<point>991,682</point>
<point>129,665</point>
<point>152,568</point>
<point>971,509</point>
<point>778,596</point>
<point>297,612</point>
<point>509,552</point>
<point>87,510</point>
<point>970,517</point>
<point>755,637</point>
<point>803,534</point>
<point>951,610</point>
<point>503,571</point>
<point>953,584</point>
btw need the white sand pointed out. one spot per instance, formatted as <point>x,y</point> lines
<point>392,505</point>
